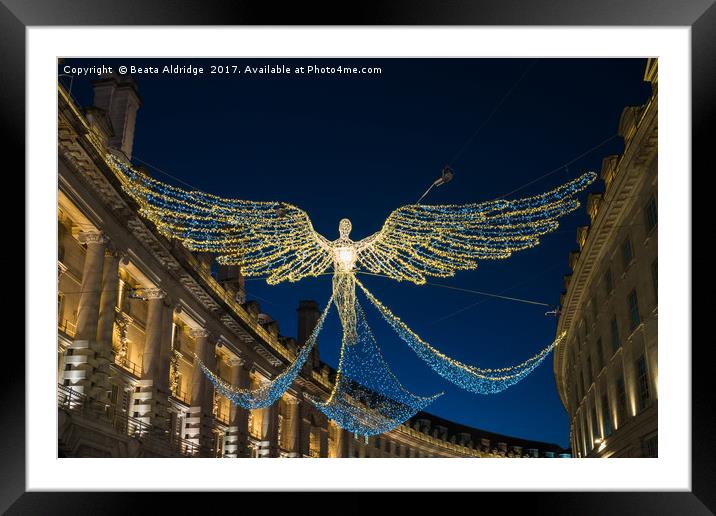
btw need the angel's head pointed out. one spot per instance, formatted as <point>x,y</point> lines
<point>344,228</point>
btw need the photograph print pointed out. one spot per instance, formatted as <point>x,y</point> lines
<point>357,258</point>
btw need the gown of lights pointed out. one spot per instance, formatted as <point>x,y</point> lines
<point>367,398</point>
<point>277,240</point>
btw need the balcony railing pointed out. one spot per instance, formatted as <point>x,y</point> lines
<point>68,328</point>
<point>162,443</point>
<point>222,415</point>
<point>128,366</point>
<point>181,396</point>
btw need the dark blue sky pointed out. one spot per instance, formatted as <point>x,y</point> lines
<point>359,146</point>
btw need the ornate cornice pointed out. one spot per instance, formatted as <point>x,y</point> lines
<point>92,237</point>
<point>153,293</point>
<point>626,179</point>
<point>236,361</point>
<point>198,333</point>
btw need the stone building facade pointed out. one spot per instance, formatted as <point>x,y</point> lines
<point>607,373</point>
<point>134,307</point>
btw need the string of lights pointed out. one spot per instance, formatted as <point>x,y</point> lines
<point>269,392</point>
<point>471,378</point>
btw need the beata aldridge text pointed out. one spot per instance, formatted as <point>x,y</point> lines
<point>173,69</point>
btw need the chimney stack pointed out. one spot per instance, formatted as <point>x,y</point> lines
<point>308,315</point>
<point>231,278</point>
<point>118,96</point>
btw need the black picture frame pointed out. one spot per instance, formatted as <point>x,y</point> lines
<point>699,15</point>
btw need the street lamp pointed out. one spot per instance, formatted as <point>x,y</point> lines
<point>445,177</point>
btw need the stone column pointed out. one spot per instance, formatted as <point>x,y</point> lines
<point>152,407</point>
<point>342,441</point>
<point>237,434</point>
<point>61,269</point>
<point>324,440</point>
<point>304,435</point>
<point>83,375</point>
<point>271,424</point>
<point>294,426</point>
<point>88,309</point>
<point>200,417</point>
<point>153,332</point>
<point>107,304</point>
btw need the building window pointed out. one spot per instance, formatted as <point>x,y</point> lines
<point>600,355</point>
<point>314,442</point>
<point>634,317</point>
<point>60,309</point>
<point>615,335</point>
<point>608,281</point>
<point>621,402</point>
<point>651,446</point>
<point>114,396</point>
<point>585,437</point>
<point>595,425</point>
<point>606,418</point>
<point>642,376</point>
<point>650,214</point>
<point>655,279</point>
<point>627,252</point>
<point>585,380</point>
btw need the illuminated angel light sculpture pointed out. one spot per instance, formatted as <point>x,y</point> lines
<point>277,240</point>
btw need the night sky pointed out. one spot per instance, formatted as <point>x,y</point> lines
<point>359,146</point>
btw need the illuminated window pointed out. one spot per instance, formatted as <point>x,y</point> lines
<point>642,376</point>
<point>634,317</point>
<point>650,214</point>
<point>314,442</point>
<point>606,417</point>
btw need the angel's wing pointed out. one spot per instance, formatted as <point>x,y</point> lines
<point>264,238</point>
<point>422,240</point>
